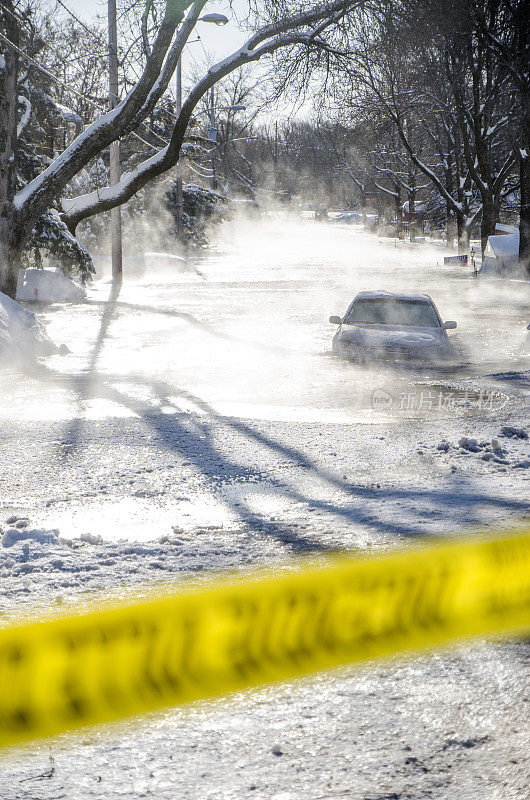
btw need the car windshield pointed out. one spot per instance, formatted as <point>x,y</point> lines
<point>385,311</point>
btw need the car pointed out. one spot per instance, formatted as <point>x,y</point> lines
<point>392,326</point>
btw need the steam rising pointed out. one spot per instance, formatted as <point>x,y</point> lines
<point>244,330</point>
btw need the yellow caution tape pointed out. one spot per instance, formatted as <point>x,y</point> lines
<point>65,673</point>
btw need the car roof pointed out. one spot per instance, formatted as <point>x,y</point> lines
<point>382,295</point>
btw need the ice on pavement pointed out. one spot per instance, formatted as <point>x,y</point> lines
<point>253,339</point>
<point>186,404</point>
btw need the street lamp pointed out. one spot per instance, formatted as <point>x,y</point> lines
<point>214,19</point>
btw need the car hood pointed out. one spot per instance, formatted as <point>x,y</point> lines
<point>390,337</point>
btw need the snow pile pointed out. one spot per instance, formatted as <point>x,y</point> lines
<point>491,450</point>
<point>39,565</point>
<point>469,444</point>
<point>14,535</point>
<point>21,332</point>
<point>48,286</point>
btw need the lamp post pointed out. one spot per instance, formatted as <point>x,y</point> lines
<point>214,19</point>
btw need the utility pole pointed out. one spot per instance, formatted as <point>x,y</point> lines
<point>115,169</point>
<point>288,164</point>
<point>275,157</point>
<point>180,196</point>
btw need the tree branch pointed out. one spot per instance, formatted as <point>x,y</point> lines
<point>33,200</point>
<point>264,42</point>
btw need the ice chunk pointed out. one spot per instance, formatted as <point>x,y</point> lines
<point>469,444</point>
<point>91,538</point>
<point>513,433</point>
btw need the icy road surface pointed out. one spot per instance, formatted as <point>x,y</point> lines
<point>201,424</point>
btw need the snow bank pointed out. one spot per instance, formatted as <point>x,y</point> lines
<point>48,286</point>
<point>506,228</point>
<point>21,333</point>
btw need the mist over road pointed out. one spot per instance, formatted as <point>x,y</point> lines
<point>227,377</point>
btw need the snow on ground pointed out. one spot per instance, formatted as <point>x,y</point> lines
<point>199,424</point>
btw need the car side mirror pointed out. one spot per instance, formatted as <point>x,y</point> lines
<point>528,327</point>
<point>449,325</point>
<point>335,320</point>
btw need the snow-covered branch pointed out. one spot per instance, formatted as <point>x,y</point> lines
<point>262,43</point>
<point>26,115</point>
<point>31,201</point>
<point>170,63</point>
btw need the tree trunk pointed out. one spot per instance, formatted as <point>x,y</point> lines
<point>412,215</point>
<point>8,150</point>
<point>363,208</point>
<point>524,170</point>
<point>399,214</point>
<point>463,235</point>
<point>10,257</point>
<point>450,228</point>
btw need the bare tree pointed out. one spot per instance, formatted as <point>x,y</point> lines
<point>505,27</point>
<point>303,26</point>
<point>429,72</point>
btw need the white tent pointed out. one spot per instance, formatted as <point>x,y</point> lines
<point>501,256</point>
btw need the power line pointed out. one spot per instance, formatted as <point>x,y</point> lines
<point>99,40</point>
<point>68,88</point>
<point>79,21</point>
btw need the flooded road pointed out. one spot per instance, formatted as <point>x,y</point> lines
<point>247,334</point>
<point>224,373</point>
